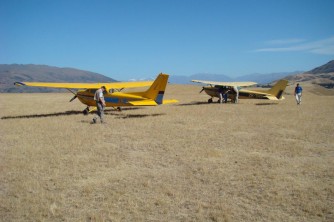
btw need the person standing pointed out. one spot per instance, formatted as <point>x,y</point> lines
<point>100,104</point>
<point>298,93</point>
<point>236,90</point>
<point>220,92</point>
<point>228,90</point>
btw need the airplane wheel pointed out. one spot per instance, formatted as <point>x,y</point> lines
<point>210,100</point>
<point>86,111</point>
<point>119,109</point>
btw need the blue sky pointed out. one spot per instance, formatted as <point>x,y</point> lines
<point>128,39</point>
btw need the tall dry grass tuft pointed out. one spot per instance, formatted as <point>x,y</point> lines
<point>192,161</point>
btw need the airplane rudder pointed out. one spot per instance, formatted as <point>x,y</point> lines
<point>157,89</point>
<point>279,88</point>
<point>283,84</point>
<point>161,87</point>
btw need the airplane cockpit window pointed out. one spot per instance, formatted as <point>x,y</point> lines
<point>220,87</point>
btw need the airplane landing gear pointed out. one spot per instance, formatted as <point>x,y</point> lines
<point>118,108</point>
<point>210,100</point>
<point>86,111</point>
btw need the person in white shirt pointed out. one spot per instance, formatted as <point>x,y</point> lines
<point>100,104</point>
<point>236,90</point>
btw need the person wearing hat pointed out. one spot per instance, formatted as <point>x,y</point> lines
<point>298,94</point>
<point>100,104</point>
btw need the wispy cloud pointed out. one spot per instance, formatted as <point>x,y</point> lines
<point>284,41</point>
<point>324,46</point>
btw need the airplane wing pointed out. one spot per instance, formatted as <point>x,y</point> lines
<point>225,83</point>
<point>112,85</point>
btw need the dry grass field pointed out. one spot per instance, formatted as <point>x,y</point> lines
<point>192,161</point>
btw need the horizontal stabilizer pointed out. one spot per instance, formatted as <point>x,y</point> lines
<point>168,101</point>
<point>271,97</point>
<point>147,102</point>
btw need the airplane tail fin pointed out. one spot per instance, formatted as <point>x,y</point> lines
<point>278,89</point>
<point>157,89</point>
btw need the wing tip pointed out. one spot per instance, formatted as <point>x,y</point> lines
<point>19,84</point>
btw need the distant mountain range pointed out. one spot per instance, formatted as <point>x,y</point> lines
<point>43,73</point>
<point>327,68</point>
<point>256,77</point>
<point>322,75</point>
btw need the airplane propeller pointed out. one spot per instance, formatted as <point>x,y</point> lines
<point>74,97</point>
<point>201,90</point>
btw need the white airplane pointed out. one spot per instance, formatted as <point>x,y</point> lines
<point>214,88</point>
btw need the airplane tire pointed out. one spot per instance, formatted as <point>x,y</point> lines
<point>85,112</point>
<point>209,100</point>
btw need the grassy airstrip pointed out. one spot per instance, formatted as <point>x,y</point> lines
<point>191,161</point>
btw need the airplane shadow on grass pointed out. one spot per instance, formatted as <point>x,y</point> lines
<point>129,116</point>
<point>118,114</point>
<point>266,104</point>
<point>192,104</point>
<point>67,113</point>
<point>206,103</point>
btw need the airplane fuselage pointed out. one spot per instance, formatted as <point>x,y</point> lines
<point>114,99</point>
<point>213,91</point>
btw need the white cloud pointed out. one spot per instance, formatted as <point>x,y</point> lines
<point>324,46</point>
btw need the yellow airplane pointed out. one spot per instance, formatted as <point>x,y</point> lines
<point>275,93</point>
<point>113,96</point>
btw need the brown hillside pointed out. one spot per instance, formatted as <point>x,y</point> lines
<point>326,68</point>
<point>322,75</point>
<point>42,73</point>
<point>313,78</point>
